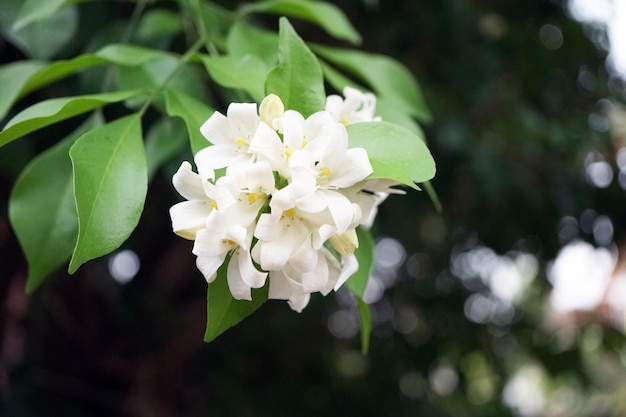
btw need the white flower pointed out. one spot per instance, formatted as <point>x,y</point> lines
<point>356,107</point>
<point>230,136</point>
<point>189,216</point>
<point>292,190</point>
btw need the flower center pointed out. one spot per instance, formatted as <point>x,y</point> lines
<point>241,141</point>
<point>290,212</point>
<point>344,120</point>
<point>252,197</point>
<point>214,205</point>
<point>325,172</point>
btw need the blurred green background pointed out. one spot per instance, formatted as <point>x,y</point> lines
<point>509,302</point>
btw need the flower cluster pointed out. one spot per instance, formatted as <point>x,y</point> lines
<point>278,196</point>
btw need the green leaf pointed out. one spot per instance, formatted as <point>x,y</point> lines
<point>48,112</point>
<point>165,139</point>
<point>193,112</point>
<point>395,152</point>
<point>298,78</point>
<point>247,73</point>
<point>157,24</point>
<point>42,210</point>
<point>20,78</point>
<point>43,37</point>
<point>156,73</point>
<point>245,39</point>
<point>223,311</point>
<point>365,316</point>
<point>13,77</point>
<point>385,76</point>
<point>365,255</point>
<point>326,15</point>
<point>34,10</point>
<point>110,184</point>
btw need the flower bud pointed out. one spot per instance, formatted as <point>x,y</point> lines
<point>271,108</point>
<point>345,243</point>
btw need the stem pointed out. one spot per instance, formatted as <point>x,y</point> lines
<point>188,55</point>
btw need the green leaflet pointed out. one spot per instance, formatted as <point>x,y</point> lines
<point>158,24</point>
<point>244,39</point>
<point>223,311</point>
<point>386,76</point>
<point>46,33</point>
<point>13,77</point>
<point>247,73</point>
<point>326,15</point>
<point>110,184</point>
<point>193,112</point>
<point>395,152</point>
<point>48,112</point>
<point>365,255</point>
<point>35,10</point>
<point>298,78</point>
<point>42,210</point>
<point>22,77</point>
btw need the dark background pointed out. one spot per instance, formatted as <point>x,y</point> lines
<point>514,117</point>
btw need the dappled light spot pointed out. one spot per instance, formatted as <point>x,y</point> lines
<point>343,324</point>
<point>124,265</point>
<point>443,379</point>
<point>524,391</point>
<point>551,36</point>
<point>579,276</point>
<point>599,174</point>
<point>603,230</point>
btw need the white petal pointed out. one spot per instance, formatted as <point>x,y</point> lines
<point>238,288</point>
<point>275,254</point>
<point>211,244</point>
<point>243,119</point>
<point>305,258</point>
<point>349,266</point>
<point>188,217</point>
<point>268,146</point>
<point>217,129</point>
<point>249,274</point>
<point>188,183</point>
<point>214,157</point>
<point>354,167</point>
<point>343,211</point>
<point>280,286</point>
<point>208,266</point>
<point>268,227</point>
<point>297,302</point>
<point>317,279</point>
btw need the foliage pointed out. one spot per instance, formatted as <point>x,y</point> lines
<point>154,82</point>
<point>514,127</point>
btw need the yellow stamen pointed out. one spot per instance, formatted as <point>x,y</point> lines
<point>325,172</point>
<point>290,212</point>
<point>240,141</point>
<point>214,205</point>
<point>288,151</point>
<point>252,197</point>
<point>344,120</point>
<point>230,242</point>
<point>304,143</point>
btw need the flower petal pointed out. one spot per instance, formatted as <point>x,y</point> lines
<point>189,217</point>
<point>188,183</point>
<point>249,274</point>
<point>238,288</point>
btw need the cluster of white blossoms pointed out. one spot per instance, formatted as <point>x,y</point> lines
<point>279,197</point>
